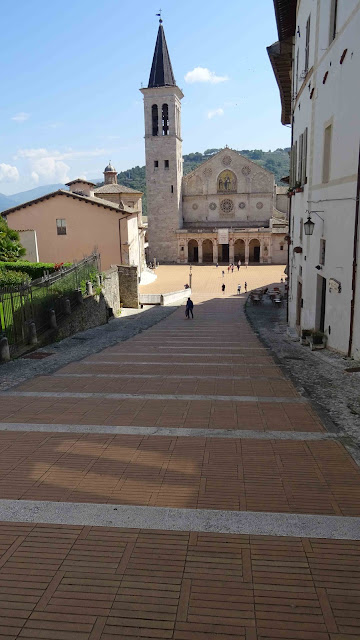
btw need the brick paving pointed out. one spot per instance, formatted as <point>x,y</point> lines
<point>74,582</point>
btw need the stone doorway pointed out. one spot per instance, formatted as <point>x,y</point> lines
<point>223,253</point>
<point>207,250</point>
<point>193,251</point>
<point>254,250</point>
<point>239,251</point>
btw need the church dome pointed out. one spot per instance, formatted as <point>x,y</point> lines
<point>109,168</point>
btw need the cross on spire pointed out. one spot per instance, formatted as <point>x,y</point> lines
<point>161,74</point>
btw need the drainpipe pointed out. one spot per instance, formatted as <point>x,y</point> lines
<point>121,260</point>
<point>288,251</point>
<point>354,267</point>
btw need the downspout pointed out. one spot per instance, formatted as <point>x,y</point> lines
<point>288,251</point>
<point>121,260</point>
<point>354,267</point>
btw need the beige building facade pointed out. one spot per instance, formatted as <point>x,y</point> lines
<point>70,225</point>
<point>227,209</point>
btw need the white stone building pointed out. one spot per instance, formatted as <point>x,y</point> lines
<point>317,67</point>
<point>227,209</point>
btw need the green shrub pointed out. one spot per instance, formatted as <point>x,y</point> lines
<point>13,278</point>
<point>34,269</point>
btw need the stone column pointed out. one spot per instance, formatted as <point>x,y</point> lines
<point>231,250</point>
<point>261,251</point>
<point>200,254</point>
<point>246,252</point>
<point>215,252</point>
<point>186,251</point>
<point>270,250</point>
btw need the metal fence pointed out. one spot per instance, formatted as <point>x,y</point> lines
<point>24,304</point>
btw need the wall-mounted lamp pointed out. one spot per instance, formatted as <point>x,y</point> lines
<point>309,224</point>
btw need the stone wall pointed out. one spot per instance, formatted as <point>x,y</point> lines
<point>129,286</point>
<point>111,290</point>
<point>91,313</point>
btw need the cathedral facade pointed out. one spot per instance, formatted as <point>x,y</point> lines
<point>227,209</point>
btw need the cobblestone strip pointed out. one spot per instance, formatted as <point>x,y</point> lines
<point>151,396</point>
<point>173,431</point>
<point>168,519</point>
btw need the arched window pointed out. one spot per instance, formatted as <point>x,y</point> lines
<point>165,119</point>
<point>155,120</point>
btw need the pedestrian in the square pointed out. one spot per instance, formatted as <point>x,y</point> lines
<point>239,264</point>
<point>223,288</point>
<point>217,264</point>
<point>189,308</point>
<point>232,268</point>
<point>239,289</point>
<point>223,273</point>
<point>245,285</point>
<point>229,268</point>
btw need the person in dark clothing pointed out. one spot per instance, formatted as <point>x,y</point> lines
<point>223,288</point>
<point>189,308</point>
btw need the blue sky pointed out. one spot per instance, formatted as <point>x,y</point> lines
<point>70,84</point>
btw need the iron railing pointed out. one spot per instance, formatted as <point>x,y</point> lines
<point>23,304</point>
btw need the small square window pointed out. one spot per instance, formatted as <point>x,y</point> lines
<point>281,247</point>
<point>166,164</point>
<point>172,188</point>
<point>61,226</point>
<point>156,164</point>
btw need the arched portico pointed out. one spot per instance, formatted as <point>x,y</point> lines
<point>193,251</point>
<point>239,250</point>
<point>254,250</point>
<point>207,250</point>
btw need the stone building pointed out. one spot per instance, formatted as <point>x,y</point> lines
<point>316,62</point>
<point>227,209</point>
<point>68,225</point>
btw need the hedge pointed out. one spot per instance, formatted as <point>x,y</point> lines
<point>13,278</point>
<point>33,269</point>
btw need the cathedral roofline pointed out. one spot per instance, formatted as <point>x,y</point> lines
<point>161,74</point>
<point>227,149</point>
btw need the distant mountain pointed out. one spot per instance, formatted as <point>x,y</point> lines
<point>6,202</point>
<point>32,194</point>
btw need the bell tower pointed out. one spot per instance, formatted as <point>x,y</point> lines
<point>163,153</point>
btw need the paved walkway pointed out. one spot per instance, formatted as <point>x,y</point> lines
<point>176,486</point>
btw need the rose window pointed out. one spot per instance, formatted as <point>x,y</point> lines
<point>226,161</point>
<point>227,205</point>
<point>259,205</point>
<point>195,206</point>
<point>245,171</point>
<point>242,205</point>
<point>212,206</point>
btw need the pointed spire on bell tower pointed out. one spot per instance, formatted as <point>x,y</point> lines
<point>161,74</point>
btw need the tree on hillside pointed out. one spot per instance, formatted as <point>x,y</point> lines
<point>10,248</point>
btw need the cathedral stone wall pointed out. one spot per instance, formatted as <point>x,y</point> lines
<point>228,188</point>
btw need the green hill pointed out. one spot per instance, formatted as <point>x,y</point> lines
<point>275,161</point>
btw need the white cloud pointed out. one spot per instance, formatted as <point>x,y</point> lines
<point>21,117</point>
<point>49,170</point>
<point>215,112</point>
<point>201,74</point>
<point>8,173</point>
<point>60,155</point>
<point>52,165</point>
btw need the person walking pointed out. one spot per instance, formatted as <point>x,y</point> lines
<point>239,289</point>
<point>217,264</point>
<point>239,264</point>
<point>223,288</point>
<point>189,309</point>
<point>229,268</point>
<point>232,268</point>
<point>223,273</point>
<point>245,285</point>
